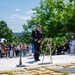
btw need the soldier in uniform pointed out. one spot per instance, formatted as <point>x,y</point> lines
<point>37,37</point>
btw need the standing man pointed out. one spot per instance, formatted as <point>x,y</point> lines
<point>37,37</point>
<point>72,45</point>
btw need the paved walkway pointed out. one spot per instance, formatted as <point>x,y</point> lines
<point>11,63</point>
<point>68,70</point>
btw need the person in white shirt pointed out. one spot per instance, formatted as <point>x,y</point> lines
<point>72,45</point>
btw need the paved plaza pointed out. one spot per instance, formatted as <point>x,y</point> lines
<point>11,63</point>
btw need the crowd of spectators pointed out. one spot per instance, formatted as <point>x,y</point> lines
<point>62,49</point>
<point>14,50</point>
<point>67,48</point>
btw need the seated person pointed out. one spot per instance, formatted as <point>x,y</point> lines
<point>58,49</point>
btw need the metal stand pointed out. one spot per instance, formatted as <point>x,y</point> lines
<point>49,47</point>
<point>20,61</point>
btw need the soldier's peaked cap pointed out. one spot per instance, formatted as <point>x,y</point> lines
<point>38,25</point>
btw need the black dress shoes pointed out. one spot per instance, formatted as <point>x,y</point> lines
<point>38,59</point>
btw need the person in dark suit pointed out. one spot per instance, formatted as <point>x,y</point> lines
<point>66,47</point>
<point>37,38</point>
<point>58,49</point>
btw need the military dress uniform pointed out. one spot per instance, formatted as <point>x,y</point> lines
<point>36,35</point>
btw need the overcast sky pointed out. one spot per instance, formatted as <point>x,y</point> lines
<point>16,12</point>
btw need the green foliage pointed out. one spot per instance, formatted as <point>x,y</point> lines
<point>26,36</point>
<point>55,16</point>
<point>5,32</point>
<point>59,40</point>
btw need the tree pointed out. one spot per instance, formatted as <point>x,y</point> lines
<point>5,32</point>
<point>26,36</point>
<point>55,16</point>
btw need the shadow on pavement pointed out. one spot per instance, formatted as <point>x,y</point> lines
<point>32,62</point>
<point>45,63</point>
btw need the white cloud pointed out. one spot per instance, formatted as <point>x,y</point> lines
<point>25,17</point>
<point>17,9</point>
<point>13,17</point>
<point>30,12</point>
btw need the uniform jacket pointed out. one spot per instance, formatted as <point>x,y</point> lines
<point>36,35</point>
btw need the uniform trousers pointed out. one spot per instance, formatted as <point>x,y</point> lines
<point>36,50</point>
